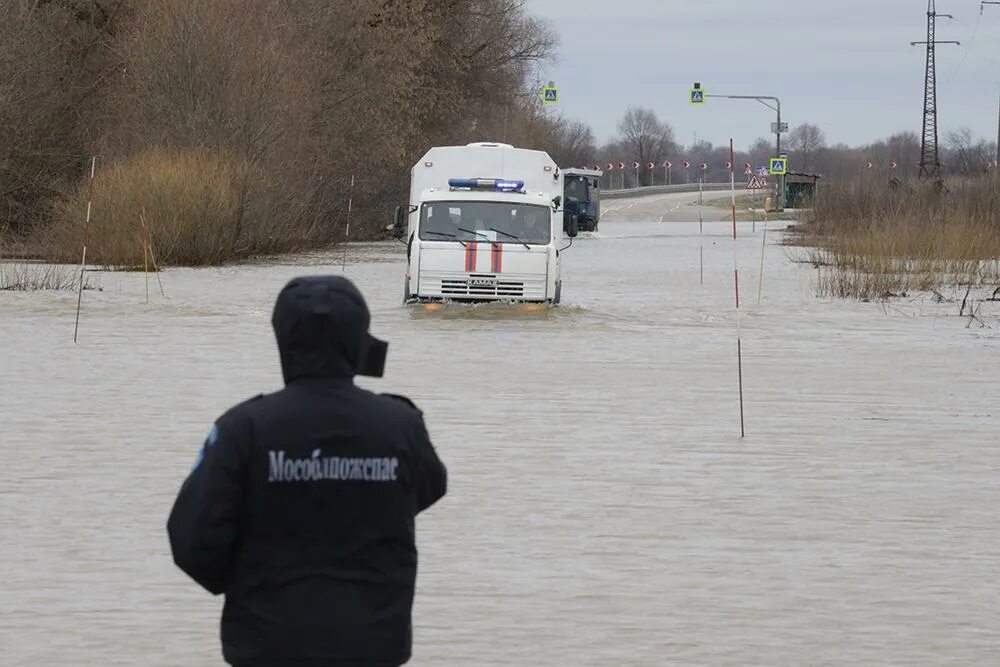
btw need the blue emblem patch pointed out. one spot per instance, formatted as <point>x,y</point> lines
<point>210,439</point>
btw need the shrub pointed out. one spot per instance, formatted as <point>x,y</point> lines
<point>193,201</point>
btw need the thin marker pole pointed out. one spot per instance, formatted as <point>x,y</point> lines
<point>701,241</point>
<point>145,260</point>
<point>736,284</point>
<point>149,244</point>
<point>156,268</point>
<point>701,201</point>
<point>760,277</point>
<point>347,233</point>
<point>86,239</point>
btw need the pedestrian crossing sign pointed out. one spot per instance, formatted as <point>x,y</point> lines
<point>779,166</point>
<point>697,96</point>
<point>550,94</point>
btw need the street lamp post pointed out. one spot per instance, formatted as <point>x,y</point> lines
<point>776,107</point>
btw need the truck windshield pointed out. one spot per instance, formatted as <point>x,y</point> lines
<point>576,189</point>
<point>495,222</point>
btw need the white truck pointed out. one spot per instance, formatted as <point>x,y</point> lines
<point>484,223</point>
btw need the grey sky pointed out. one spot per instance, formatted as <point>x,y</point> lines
<point>848,64</point>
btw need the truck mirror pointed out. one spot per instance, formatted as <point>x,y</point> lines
<point>572,226</point>
<point>399,222</point>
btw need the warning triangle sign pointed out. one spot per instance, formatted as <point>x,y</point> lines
<point>757,183</point>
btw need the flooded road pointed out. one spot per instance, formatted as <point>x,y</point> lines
<point>602,509</point>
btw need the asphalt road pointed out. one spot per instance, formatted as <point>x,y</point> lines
<point>672,207</point>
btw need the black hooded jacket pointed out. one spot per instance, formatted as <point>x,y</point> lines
<point>301,506</point>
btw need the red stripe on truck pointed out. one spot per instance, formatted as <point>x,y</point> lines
<point>470,256</point>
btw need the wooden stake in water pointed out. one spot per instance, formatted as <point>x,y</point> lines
<point>147,231</point>
<point>736,284</point>
<point>701,242</point>
<point>86,239</point>
<point>760,277</point>
<point>347,232</point>
<point>145,261</point>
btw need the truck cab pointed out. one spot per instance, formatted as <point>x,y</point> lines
<point>582,198</point>
<point>483,225</point>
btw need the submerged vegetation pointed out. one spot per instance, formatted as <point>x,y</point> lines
<point>874,240</point>
<point>26,276</point>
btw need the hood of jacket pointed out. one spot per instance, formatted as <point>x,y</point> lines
<point>321,324</point>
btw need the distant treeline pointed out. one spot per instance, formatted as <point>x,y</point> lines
<point>236,126</point>
<point>644,138</point>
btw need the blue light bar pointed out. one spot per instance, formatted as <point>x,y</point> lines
<point>498,184</point>
<point>510,186</point>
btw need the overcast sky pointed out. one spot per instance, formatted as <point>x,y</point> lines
<point>845,65</point>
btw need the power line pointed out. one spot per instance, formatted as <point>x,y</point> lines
<point>930,163</point>
<point>982,5</point>
<point>968,48</point>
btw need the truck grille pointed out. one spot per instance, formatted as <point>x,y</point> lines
<point>483,285</point>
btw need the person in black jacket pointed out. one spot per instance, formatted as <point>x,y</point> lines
<point>301,506</point>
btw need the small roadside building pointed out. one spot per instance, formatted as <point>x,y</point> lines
<point>801,189</point>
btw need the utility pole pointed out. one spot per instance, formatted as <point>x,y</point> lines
<point>930,164</point>
<point>997,167</point>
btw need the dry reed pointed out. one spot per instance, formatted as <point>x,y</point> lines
<point>875,240</point>
<point>196,206</point>
<point>18,276</point>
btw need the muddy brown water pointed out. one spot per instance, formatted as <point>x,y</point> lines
<point>602,508</point>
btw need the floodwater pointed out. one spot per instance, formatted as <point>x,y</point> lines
<point>602,508</point>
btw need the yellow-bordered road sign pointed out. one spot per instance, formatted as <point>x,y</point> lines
<point>697,96</point>
<point>550,94</point>
<point>779,166</point>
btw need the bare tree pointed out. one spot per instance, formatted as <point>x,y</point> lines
<point>571,143</point>
<point>805,142</point>
<point>295,99</point>
<point>761,151</point>
<point>967,156</point>
<point>54,62</point>
<point>648,138</point>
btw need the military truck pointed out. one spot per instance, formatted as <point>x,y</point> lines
<point>581,198</point>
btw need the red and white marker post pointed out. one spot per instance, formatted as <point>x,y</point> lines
<point>736,284</point>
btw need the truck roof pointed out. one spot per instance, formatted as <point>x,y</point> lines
<point>582,172</point>
<point>536,169</point>
<point>447,194</point>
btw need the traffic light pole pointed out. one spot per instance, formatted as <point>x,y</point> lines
<point>776,107</point>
